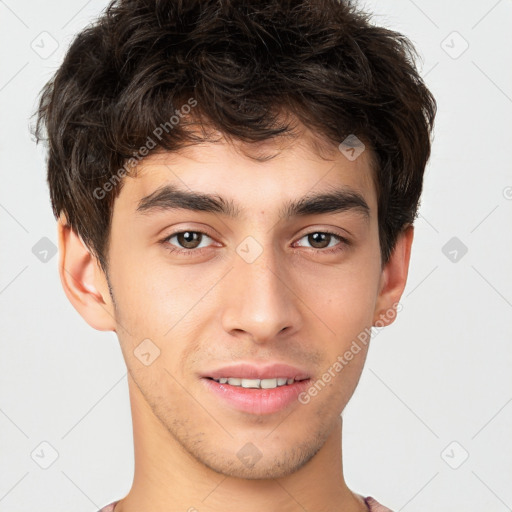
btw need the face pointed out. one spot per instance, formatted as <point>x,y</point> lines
<point>249,285</point>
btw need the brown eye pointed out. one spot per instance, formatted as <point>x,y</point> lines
<point>186,241</point>
<point>189,239</point>
<point>321,240</point>
<point>318,240</point>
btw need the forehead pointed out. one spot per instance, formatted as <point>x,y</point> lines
<point>262,175</point>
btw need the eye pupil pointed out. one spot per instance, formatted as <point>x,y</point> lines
<point>317,240</point>
<point>189,239</point>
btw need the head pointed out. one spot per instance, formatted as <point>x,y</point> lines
<point>237,182</point>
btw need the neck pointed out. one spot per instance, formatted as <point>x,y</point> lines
<point>168,478</point>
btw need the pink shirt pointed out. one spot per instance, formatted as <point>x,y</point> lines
<point>372,504</point>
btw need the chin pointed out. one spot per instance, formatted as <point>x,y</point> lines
<point>251,463</point>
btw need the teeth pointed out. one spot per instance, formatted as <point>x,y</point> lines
<point>268,383</point>
<point>256,383</point>
<point>249,383</point>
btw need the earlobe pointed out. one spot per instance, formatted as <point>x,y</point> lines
<point>393,279</point>
<point>84,284</point>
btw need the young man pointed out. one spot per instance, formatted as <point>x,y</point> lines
<point>235,185</point>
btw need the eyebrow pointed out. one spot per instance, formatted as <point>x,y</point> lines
<point>170,197</point>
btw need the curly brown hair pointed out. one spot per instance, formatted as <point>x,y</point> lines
<point>239,65</point>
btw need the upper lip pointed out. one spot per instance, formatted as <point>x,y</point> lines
<point>252,371</point>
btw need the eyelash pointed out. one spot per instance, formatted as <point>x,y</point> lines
<point>193,252</point>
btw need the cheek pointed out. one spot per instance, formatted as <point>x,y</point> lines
<point>157,301</point>
<point>343,298</point>
<point>141,296</point>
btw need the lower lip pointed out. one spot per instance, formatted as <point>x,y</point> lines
<point>257,401</point>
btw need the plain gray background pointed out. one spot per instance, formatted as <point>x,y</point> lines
<point>429,425</point>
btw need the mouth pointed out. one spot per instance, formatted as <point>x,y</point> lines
<point>256,397</point>
<point>256,389</point>
<point>257,383</point>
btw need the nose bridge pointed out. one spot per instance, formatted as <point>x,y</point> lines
<point>261,302</point>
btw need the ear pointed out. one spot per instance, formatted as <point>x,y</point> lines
<point>84,283</point>
<point>393,279</point>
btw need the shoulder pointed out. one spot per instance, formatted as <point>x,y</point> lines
<point>375,506</point>
<point>109,508</point>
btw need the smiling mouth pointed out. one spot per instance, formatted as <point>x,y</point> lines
<point>258,396</point>
<point>257,383</point>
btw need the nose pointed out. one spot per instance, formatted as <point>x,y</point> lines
<point>260,302</point>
